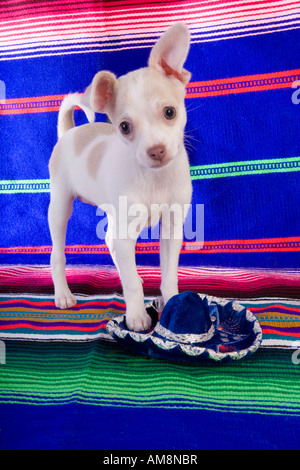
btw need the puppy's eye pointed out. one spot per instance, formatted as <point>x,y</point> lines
<point>125,127</point>
<point>169,112</point>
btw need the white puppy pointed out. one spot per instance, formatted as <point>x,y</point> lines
<point>140,156</point>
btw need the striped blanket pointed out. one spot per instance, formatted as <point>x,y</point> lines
<point>62,384</point>
<point>35,318</point>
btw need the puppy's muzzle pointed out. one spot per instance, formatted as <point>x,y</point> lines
<point>158,155</point>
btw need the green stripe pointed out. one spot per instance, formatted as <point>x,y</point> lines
<point>24,186</point>
<point>243,168</point>
<point>105,374</point>
<point>216,170</point>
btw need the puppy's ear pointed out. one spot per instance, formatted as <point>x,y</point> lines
<point>100,94</point>
<point>170,52</point>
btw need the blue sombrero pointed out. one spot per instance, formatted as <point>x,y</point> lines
<point>193,328</point>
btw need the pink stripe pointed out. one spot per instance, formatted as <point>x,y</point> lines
<point>52,5</point>
<point>173,9</point>
<point>111,28</point>
<point>108,14</point>
<point>110,20</point>
<point>91,281</point>
<point>192,9</point>
<point>42,8</point>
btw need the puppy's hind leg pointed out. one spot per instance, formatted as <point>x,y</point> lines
<point>60,210</point>
<point>109,239</point>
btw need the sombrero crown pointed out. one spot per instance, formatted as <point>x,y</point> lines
<point>185,319</point>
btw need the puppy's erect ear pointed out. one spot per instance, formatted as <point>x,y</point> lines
<point>100,94</point>
<point>170,52</point>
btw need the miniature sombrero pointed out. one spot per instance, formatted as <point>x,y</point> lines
<point>193,328</point>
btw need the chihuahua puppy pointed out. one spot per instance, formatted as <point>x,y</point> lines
<point>141,155</point>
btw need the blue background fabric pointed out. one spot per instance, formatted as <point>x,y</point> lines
<point>221,129</point>
<point>244,150</point>
<point>77,427</point>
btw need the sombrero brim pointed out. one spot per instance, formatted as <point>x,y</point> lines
<point>237,335</point>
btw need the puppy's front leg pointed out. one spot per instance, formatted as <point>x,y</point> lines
<point>171,237</point>
<point>137,318</point>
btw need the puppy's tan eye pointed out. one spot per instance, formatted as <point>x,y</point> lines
<point>169,112</point>
<point>125,127</point>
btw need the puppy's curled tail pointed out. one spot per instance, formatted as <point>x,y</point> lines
<point>66,113</point>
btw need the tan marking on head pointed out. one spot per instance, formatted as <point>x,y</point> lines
<point>94,159</point>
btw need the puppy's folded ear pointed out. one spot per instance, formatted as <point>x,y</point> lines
<point>99,96</point>
<point>170,52</point>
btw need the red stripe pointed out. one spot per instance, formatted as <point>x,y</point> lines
<point>272,331</point>
<point>274,306</point>
<point>265,330</point>
<point>52,304</point>
<point>243,84</point>
<point>223,86</point>
<point>52,328</point>
<point>36,104</point>
<point>288,244</point>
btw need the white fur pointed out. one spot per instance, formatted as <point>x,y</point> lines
<point>97,163</point>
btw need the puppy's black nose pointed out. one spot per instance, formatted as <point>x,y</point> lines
<point>157,152</point>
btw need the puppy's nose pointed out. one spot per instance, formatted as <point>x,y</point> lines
<point>157,152</point>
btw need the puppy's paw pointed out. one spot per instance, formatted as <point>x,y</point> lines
<point>138,321</point>
<point>65,300</point>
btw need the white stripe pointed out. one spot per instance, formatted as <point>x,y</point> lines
<point>52,337</point>
<point>115,41</point>
<point>100,27</point>
<point>76,46</point>
<point>196,34</point>
<point>280,343</point>
<point>244,35</point>
<point>105,34</point>
<point>136,41</point>
<point>241,30</point>
<point>268,302</point>
<point>136,46</point>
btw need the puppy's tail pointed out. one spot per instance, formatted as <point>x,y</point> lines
<point>66,113</point>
